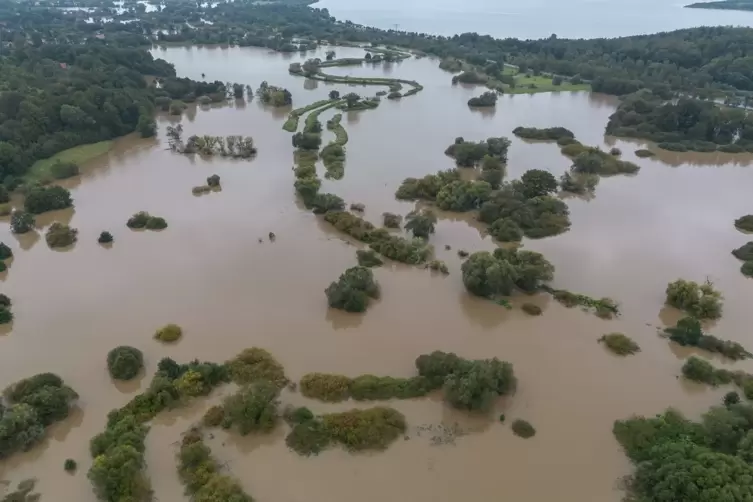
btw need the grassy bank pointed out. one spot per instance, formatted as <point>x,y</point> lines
<point>78,155</point>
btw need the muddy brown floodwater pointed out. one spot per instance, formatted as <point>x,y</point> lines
<point>208,273</point>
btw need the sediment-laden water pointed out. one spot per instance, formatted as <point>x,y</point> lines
<point>209,273</point>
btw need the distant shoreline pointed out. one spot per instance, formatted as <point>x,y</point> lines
<point>745,5</point>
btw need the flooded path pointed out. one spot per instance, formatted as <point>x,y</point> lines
<point>209,273</point>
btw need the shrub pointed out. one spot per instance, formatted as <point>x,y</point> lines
<point>352,290</point>
<point>578,183</point>
<point>369,429</point>
<point>59,235</point>
<point>124,362</point>
<point>155,223</point>
<point>143,219</point>
<point>47,198</point>
<point>256,364</point>
<point>615,151</point>
<point>213,180</point>
<point>5,251</point>
<point>700,370</point>
<point>497,274</point>
<point>62,170</point>
<point>297,415</point>
<point>368,258</point>
<point>214,416</point>
<point>177,107</point>
<point>547,134</point>
<point>169,333</point>
<point>620,344</point>
<point>253,408</point>
<point>421,223</point>
<point>21,222</point>
<point>744,252</point>
<point>701,301</point>
<point>438,266</point>
<point>487,99</point>
<point>506,230</point>
<point>475,384</point>
<point>531,309</point>
<point>357,206</point>
<point>523,429</point>
<point>307,140</point>
<point>731,398</point>
<point>69,465</point>
<point>325,387</point>
<point>6,315</point>
<point>105,238</point>
<point>745,223</point>
<point>642,153</point>
<point>688,332</point>
<point>201,189</point>
<point>391,220</point>
<point>747,269</point>
<point>537,217</point>
<point>324,202</point>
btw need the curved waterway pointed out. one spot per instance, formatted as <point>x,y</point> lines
<point>209,273</point>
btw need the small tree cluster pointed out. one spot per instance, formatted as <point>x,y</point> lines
<point>40,199</point>
<point>143,219</point>
<point>546,134</point>
<point>745,223</point>
<point>368,258</point>
<point>274,96</point>
<point>105,237</point>
<point>124,362</point>
<point>32,404</point>
<point>254,364</point>
<point>60,235</point>
<point>620,344</point>
<point>253,408</point>
<point>353,290</point>
<point>538,216</point>
<point>487,99</point>
<point>391,220</point>
<point>688,332</point>
<point>469,153</point>
<point>21,222</point>
<point>523,429</point>
<point>500,273</point>
<point>699,300</point>
<point>421,223</point>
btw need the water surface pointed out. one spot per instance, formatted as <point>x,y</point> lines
<point>209,273</point>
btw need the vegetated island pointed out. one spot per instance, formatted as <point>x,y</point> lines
<point>723,5</point>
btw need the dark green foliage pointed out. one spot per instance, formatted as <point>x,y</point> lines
<point>325,202</point>
<point>531,309</point>
<point>143,219</point>
<point>253,408</point>
<point>438,266</point>
<point>620,344</point>
<point>47,198</point>
<point>537,217</point>
<point>537,183</point>
<point>307,140</point>
<point>368,258</point>
<point>70,465</point>
<point>745,223</point>
<point>421,223</point>
<point>615,151</point>
<point>505,230</point>
<point>578,183</point>
<point>747,269</point>
<point>468,153</point>
<point>595,161</point>
<point>105,238</point>
<point>701,301</point>
<point>62,170</point>
<point>274,96</point>
<point>5,251</point>
<point>548,133</point>
<point>523,429</point>
<point>744,252</point>
<point>463,195</point>
<point>700,370</point>
<point>391,220</point>
<point>325,387</point>
<point>6,315</point>
<point>34,403</point>
<point>427,187</point>
<point>731,398</point>
<point>688,332</point>
<point>59,235</point>
<point>213,180</point>
<point>682,124</point>
<point>297,415</point>
<point>487,99</point>
<point>499,273</point>
<point>353,290</point>
<point>124,362</point>
<point>4,195</point>
<point>254,364</point>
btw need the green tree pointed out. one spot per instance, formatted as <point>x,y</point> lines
<point>253,408</point>
<point>421,223</point>
<point>536,182</point>
<point>21,222</point>
<point>124,362</point>
<point>41,199</point>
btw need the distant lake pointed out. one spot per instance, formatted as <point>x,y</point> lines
<point>532,18</point>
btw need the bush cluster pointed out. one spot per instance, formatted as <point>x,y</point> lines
<point>539,216</point>
<point>531,309</point>
<point>546,134</point>
<point>620,344</point>
<point>253,408</point>
<point>469,153</point>
<point>603,307</point>
<point>487,99</point>
<point>21,222</point>
<point>578,183</point>
<point>256,364</point>
<point>352,291</point>
<point>745,223</point>
<point>711,457</point>
<point>200,473</point>
<point>6,315</point>
<point>500,273</point>
<point>688,332</point>
<point>368,258</point>
<point>105,238</point>
<point>32,404</point>
<point>438,266</point>
<point>143,219</point>
<point>124,362</point>
<point>421,223</point>
<point>523,429</point>
<point>643,153</point>
<point>699,300</point>
<point>60,235</point>
<point>40,199</point>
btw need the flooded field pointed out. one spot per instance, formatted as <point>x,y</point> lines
<point>209,273</point>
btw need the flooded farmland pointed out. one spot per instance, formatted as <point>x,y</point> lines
<point>209,273</point>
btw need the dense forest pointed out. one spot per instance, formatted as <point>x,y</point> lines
<point>75,77</point>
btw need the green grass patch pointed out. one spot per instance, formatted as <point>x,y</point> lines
<point>78,155</point>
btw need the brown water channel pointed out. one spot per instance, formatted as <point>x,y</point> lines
<point>209,273</point>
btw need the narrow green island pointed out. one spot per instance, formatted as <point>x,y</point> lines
<point>723,5</point>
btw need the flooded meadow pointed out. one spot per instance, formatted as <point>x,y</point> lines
<point>215,272</point>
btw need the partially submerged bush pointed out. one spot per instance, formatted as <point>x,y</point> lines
<point>391,220</point>
<point>5,251</point>
<point>702,371</point>
<point>253,408</point>
<point>438,266</point>
<point>213,180</point>
<point>499,273</point>
<point>105,237</point>
<point>745,223</point>
<point>59,235</point>
<point>506,230</point>
<point>40,199</point>
<point>537,217</point>
<point>421,223</point>
<point>531,309</point>
<point>620,344</point>
<point>353,290</point>
<point>368,258</point>
<point>143,219</point>
<point>21,222</point>
<point>256,364</point>
<point>156,223</point>
<point>578,183</point>
<point>744,252</point>
<point>523,429</point>
<point>214,416</point>
<point>124,362</point>
<point>643,153</point>
<point>546,134</point>
<point>169,333</point>
<point>70,465</point>
<point>688,332</point>
<point>701,301</point>
<point>325,387</point>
